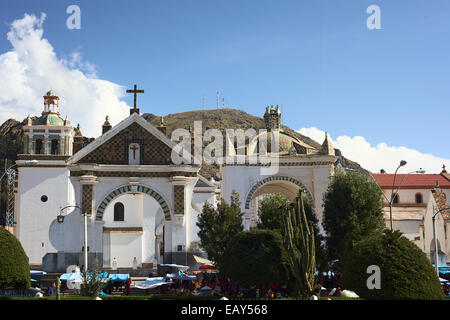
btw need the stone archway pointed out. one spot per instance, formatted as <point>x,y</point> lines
<point>132,189</point>
<point>263,182</point>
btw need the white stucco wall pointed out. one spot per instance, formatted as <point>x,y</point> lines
<point>198,200</point>
<point>36,217</point>
<point>240,178</point>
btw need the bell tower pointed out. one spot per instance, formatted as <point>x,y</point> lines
<point>272,118</point>
<point>51,103</point>
<point>49,134</point>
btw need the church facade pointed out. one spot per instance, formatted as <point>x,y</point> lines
<point>142,208</point>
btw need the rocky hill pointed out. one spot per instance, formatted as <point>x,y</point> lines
<point>11,133</point>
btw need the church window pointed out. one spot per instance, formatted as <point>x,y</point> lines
<point>38,146</point>
<point>134,154</point>
<point>55,145</point>
<point>419,198</point>
<point>119,212</point>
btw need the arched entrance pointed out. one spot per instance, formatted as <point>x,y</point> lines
<point>134,218</point>
<point>277,184</point>
<point>284,185</point>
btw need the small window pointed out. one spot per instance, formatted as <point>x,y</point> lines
<point>396,199</point>
<point>44,198</point>
<point>419,198</point>
<point>119,212</point>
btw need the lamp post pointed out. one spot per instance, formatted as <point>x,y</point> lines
<point>435,238</point>
<point>394,194</point>
<point>60,219</point>
<point>402,163</point>
<point>28,162</point>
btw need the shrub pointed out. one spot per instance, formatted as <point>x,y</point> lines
<point>14,267</point>
<point>406,272</point>
<point>256,258</point>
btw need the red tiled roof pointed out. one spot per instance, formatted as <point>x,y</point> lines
<point>413,180</point>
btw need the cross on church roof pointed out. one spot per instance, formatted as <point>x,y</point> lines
<point>135,91</point>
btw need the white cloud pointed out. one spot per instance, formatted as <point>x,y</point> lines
<point>381,156</point>
<point>32,68</point>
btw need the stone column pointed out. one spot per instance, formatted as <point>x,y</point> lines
<point>87,207</point>
<point>87,194</point>
<point>179,225</point>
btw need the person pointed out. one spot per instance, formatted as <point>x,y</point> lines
<point>51,291</point>
<point>337,293</point>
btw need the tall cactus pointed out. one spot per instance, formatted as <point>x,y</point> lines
<point>58,289</point>
<point>298,239</point>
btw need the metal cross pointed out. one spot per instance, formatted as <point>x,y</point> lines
<point>135,91</point>
<point>134,148</point>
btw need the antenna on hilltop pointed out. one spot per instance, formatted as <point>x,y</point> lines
<point>223,103</point>
<point>217,99</point>
<point>203,102</point>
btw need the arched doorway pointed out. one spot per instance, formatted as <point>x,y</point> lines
<point>133,218</point>
<point>284,185</point>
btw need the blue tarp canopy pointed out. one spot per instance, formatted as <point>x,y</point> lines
<point>444,269</point>
<point>180,277</point>
<point>115,277</point>
<point>99,275</point>
<point>70,276</point>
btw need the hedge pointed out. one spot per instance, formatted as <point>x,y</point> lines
<point>14,267</point>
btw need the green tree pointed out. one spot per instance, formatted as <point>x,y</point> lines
<point>269,211</point>
<point>93,283</point>
<point>256,258</point>
<point>14,267</point>
<point>404,269</point>
<point>353,209</point>
<point>217,226</point>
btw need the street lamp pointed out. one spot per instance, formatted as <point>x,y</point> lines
<point>394,194</point>
<point>60,219</point>
<point>28,162</point>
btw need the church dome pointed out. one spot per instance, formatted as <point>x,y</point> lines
<point>51,119</point>
<point>288,144</point>
<point>51,93</point>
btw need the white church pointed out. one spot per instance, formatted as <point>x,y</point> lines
<point>141,207</point>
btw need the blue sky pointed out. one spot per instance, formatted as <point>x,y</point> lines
<point>317,59</point>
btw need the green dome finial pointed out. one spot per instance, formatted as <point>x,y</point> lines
<point>51,93</point>
<point>107,118</point>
